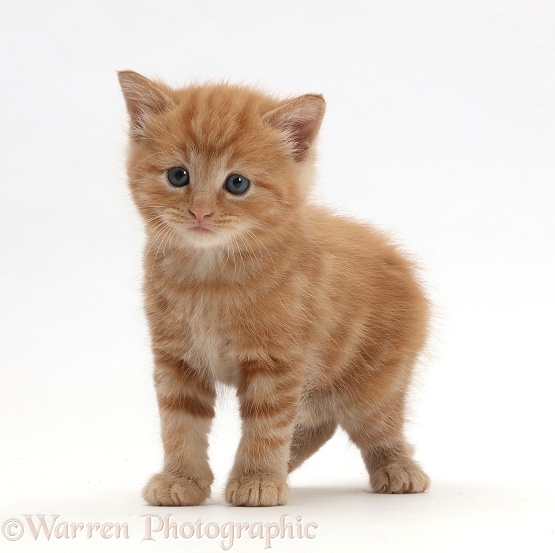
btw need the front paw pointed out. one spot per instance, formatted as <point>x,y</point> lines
<point>257,491</point>
<point>400,477</point>
<point>171,491</point>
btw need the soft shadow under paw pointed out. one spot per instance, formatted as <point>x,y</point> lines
<point>171,491</point>
<point>256,491</point>
<point>400,477</point>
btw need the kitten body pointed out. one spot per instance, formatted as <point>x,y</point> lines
<point>315,319</point>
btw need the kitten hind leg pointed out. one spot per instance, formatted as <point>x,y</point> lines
<point>392,469</point>
<point>307,440</point>
<point>379,435</point>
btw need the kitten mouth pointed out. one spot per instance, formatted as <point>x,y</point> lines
<point>200,229</point>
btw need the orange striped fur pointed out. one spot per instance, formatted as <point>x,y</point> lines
<point>317,320</point>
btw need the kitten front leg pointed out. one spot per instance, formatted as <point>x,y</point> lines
<point>186,403</point>
<point>269,393</point>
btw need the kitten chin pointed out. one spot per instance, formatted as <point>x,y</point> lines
<point>317,320</point>
<point>201,237</point>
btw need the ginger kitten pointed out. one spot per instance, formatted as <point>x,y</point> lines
<point>315,319</point>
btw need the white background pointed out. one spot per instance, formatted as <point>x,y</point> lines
<point>440,127</point>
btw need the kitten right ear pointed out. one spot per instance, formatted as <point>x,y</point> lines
<point>143,97</point>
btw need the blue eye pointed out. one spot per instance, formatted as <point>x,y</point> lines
<point>178,176</point>
<point>237,184</point>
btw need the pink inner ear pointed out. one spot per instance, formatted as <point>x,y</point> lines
<point>300,119</point>
<point>142,97</point>
<point>303,134</point>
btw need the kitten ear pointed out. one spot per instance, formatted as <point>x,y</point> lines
<point>300,119</point>
<point>143,97</point>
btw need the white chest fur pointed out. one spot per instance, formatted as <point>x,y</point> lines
<point>206,345</point>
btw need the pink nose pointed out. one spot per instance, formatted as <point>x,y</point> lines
<point>200,213</point>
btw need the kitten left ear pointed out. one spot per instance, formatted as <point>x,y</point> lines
<point>143,97</point>
<point>300,119</point>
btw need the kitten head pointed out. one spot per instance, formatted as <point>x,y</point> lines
<point>210,165</point>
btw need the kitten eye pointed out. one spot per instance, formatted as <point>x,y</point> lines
<point>236,184</point>
<point>177,176</point>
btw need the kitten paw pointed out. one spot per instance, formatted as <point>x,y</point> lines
<point>400,477</point>
<point>256,491</point>
<point>172,491</point>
